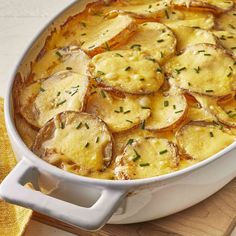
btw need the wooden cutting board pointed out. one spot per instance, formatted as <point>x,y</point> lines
<point>216,216</point>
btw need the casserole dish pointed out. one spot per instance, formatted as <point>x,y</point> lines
<point>90,203</point>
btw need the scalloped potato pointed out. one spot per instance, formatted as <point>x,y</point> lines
<point>132,89</point>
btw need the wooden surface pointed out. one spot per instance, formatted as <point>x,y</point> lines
<point>20,20</point>
<point>216,216</point>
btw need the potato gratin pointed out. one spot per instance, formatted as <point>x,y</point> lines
<point>133,89</point>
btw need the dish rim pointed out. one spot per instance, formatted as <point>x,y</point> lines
<point>55,171</point>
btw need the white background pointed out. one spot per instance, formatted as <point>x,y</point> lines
<point>20,21</point>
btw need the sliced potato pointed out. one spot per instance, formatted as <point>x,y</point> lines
<point>67,58</point>
<point>200,140</point>
<point>141,9</point>
<point>199,114</point>
<point>175,18</point>
<point>167,111</point>
<point>192,70</point>
<point>228,41</point>
<point>65,90</point>
<point>188,36</point>
<point>76,142</point>
<point>154,38</point>
<point>146,157</point>
<point>26,131</point>
<point>108,34</point>
<point>216,6</point>
<point>224,112</point>
<point>118,113</point>
<point>227,21</point>
<point>128,71</point>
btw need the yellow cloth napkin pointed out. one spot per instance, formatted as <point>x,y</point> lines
<point>13,219</point>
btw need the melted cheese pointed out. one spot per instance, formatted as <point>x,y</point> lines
<point>119,113</point>
<point>201,140</point>
<point>167,110</point>
<point>135,163</point>
<point>60,92</point>
<point>128,71</point>
<point>67,58</point>
<point>153,38</point>
<point>67,141</point>
<point>192,70</point>
<point>188,36</point>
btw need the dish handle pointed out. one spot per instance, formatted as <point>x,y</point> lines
<point>12,190</point>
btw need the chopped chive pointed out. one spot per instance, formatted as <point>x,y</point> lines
<point>93,92</point>
<point>143,124</point>
<point>167,15</point>
<point>87,126</point>
<point>83,34</point>
<point>163,152</point>
<point>86,145</point>
<point>76,91</point>
<point>100,72</point>
<point>103,94</point>
<point>97,139</point>
<point>207,54</point>
<point>42,89</point>
<point>79,125</point>
<point>116,111</point>
<point>231,26</point>
<point>209,91</point>
<point>142,79</point>
<point>129,121</point>
<point>107,46</point>
<point>159,70</point>
<point>162,54</point>
<point>121,109</point>
<point>126,112</point>
<point>60,103</point>
<point>130,141</point>
<point>144,164</point>
<point>233,48</point>
<point>189,84</point>
<point>211,134</point>
<point>174,106</point>
<point>201,51</point>
<point>166,103</point>
<point>197,70</point>
<point>83,24</point>
<point>136,47</point>
<point>58,54</point>
<point>62,125</point>
<point>69,68</point>
<point>179,111</point>
<point>230,73</point>
<point>145,107</point>
<point>160,40</point>
<point>179,70</point>
<point>150,59</point>
<point>127,68</point>
<point>58,93</point>
<point>136,156</point>
<point>118,55</point>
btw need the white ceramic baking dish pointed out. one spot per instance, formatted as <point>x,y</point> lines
<point>90,203</point>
